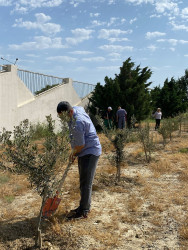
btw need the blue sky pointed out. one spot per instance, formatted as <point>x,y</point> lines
<point>87,40</point>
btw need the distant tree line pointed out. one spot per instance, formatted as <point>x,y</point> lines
<point>131,90</point>
<point>172,98</point>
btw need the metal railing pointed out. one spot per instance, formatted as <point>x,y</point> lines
<point>2,68</point>
<point>83,89</point>
<point>37,81</point>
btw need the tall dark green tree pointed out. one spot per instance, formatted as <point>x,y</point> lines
<point>172,98</point>
<point>129,89</point>
<point>155,98</point>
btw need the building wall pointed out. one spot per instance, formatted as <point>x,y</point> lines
<point>18,103</point>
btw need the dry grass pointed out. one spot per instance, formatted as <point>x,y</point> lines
<point>147,209</point>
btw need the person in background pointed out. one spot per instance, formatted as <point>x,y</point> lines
<point>108,118</point>
<point>157,115</point>
<point>86,146</point>
<point>121,116</point>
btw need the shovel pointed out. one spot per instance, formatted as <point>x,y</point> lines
<point>51,204</point>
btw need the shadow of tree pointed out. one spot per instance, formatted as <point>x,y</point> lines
<point>12,230</point>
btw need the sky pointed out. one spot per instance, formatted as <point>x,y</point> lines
<point>88,40</point>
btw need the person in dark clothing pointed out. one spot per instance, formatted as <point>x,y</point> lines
<point>108,118</point>
<point>121,115</point>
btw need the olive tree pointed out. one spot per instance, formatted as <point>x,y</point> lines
<point>21,155</point>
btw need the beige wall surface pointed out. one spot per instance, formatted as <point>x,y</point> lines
<point>18,103</point>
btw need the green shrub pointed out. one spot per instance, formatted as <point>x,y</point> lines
<point>4,179</point>
<point>146,140</point>
<point>38,131</point>
<point>168,126</point>
<point>183,150</point>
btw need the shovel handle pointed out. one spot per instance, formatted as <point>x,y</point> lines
<point>63,178</point>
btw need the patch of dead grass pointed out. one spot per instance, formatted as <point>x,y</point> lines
<point>129,218</point>
<point>134,203</point>
<point>183,176</point>
<point>157,207</point>
<point>161,167</point>
<point>183,230</point>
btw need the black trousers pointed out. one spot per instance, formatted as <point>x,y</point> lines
<point>157,125</point>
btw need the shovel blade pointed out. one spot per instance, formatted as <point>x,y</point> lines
<point>50,206</point>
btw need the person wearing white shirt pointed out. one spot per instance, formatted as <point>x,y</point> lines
<point>157,115</point>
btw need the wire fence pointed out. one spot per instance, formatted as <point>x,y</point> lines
<point>37,81</point>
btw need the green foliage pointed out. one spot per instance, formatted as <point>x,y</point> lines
<point>169,125</point>
<point>172,98</point>
<point>9,198</point>
<point>4,179</point>
<point>183,150</point>
<point>47,87</point>
<point>38,163</point>
<point>118,137</point>
<point>129,90</point>
<point>146,140</point>
<point>39,130</point>
<point>181,119</point>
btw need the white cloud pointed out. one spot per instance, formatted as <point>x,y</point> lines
<point>41,3</point>
<point>179,27</point>
<point>172,49</point>
<point>97,23</point>
<point>79,36</point>
<point>94,59</point>
<point>111,2</point>
<point>81,52</point>
<point>166,5</point>
<point>185,11</point>
<point>41,23</point>
<point>113,40</point>
<point>114,56</point>
<point>94,14</point>
<point>107,33</point>
<point>22,6</point>
<point>116,48</point>
<point>155,16</point>
<point>133,20</point>
<point>152,47</point>
<point>19,9</point>
<point>186,55</point>
<point>42,18</point>
<point>75,3</point>
<point>62,59</point>
<point>40,42</point>
<point>173,42</point>
<point>161,6</point>
<point>140,1</point>
<point>112,21</point>
<point>32,55</point>
<point>183,42</point>
<point>123,20</point>
<point>150,35</point>
<point>108,68</point>
<point>5,2</point>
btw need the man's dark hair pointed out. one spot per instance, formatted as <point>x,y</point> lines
<point>63,106</point>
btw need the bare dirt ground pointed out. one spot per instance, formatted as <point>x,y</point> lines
<point>147,209</point>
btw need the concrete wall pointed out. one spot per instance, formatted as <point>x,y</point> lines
<point>18,103</point>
